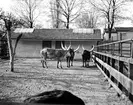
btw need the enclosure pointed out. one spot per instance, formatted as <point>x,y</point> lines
<point>29,78</point>
<point>115,62</point>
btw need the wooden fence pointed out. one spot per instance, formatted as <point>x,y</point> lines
<point>115,60</point>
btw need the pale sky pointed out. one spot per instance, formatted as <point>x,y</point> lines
<point>7,4</point>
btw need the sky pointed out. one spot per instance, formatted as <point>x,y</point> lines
<point>6,5</point>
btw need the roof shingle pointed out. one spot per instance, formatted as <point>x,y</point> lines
<point>57,34</point>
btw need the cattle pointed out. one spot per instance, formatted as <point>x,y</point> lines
<point>55,97</point>
<point>50,53</point>
<point>70,56</point>
<point>86,55</point>
<point>58,54</point>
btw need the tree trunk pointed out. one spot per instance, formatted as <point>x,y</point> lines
<point>109,35</point>
<point>67,25</point>
<point>10,51</point>
<point>31,24</point>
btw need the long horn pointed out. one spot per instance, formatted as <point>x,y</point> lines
<point>65,47</point>
<point>92,48</point>
<point>62,46</point>
<point>76,48</point>
<point>83,47</point>
<point>69,47</point>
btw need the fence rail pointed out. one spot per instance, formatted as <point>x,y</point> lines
<point>115,60</point>
<point>119,48</point>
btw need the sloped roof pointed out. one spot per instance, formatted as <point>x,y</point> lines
<point>23,30</point>
<point>58,34</point>
<point>120,29</point>
<point>124,29</point>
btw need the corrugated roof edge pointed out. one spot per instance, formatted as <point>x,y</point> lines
<point>24,30</point>
<point>58,34</point>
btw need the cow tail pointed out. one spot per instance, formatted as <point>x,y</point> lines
<point>43,56</point>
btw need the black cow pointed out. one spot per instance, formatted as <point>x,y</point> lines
<point>56,97</point>
<point>70,56</point>
<point>86,56</point>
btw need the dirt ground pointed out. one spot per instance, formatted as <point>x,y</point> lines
<point>30,78</point>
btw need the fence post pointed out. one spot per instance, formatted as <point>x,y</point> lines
<point>113,65</point>
<point>112,49</point>
<point>130,72</point>
<point>108,61</point>
<point>120,69</point>
<point>120,49</point>
<point>131,48</point>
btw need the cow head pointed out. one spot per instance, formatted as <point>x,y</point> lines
<point>65,48</point>
<point>77,48</point>
<point>83,48</point>
<point>92,48</point>
<point>69,48</point>
<point>70,53</point>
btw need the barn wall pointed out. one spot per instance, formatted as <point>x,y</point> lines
<point>126,35</point>
<point>28,48</point>
<point>31,48</point>
<point>116,36</point>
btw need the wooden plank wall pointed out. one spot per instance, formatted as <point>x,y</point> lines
<point>118,70</point>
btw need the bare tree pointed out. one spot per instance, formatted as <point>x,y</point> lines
<point>28,11</point>
<point>87,20</point>
<point>111,11</point>
<point>130,10</point>
<point>68,11</point>
<point>55,13</point>
<point>10,22</point>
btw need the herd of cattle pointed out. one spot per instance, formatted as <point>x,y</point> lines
<point>60,54</point>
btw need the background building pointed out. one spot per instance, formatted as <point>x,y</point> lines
<point>31,43</point>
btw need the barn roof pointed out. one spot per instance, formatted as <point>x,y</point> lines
<point>120,29</point>
<point>23,30</point>
<point>59,34</point>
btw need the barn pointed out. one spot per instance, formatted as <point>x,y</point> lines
<point>119,33</point>
<point>33,41</point>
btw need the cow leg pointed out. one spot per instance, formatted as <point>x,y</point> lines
<point>60,64</point>
<point>83,63</point>
<point>46,63</point>
<point>71,62</point>
<point>88,62</point>
<point>42,61</point>
<point>68,62</point>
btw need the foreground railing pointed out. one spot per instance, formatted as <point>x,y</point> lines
<point>116,63</point>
